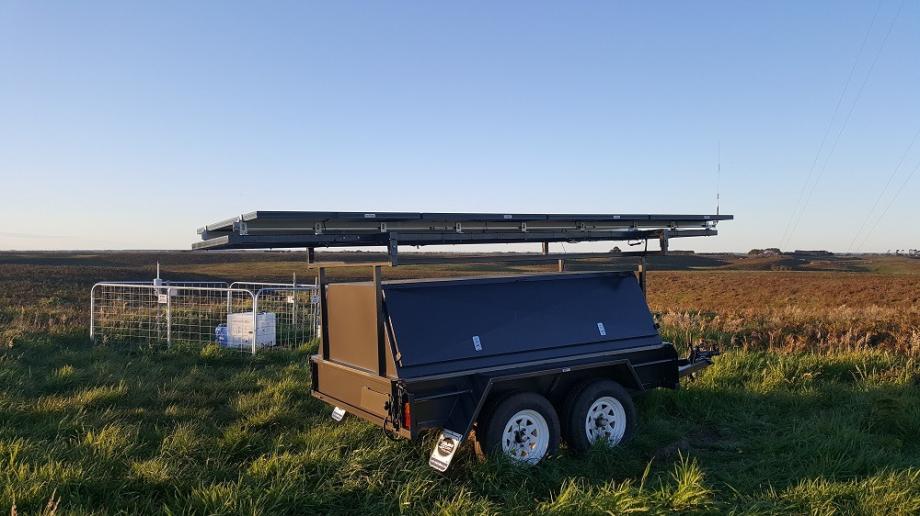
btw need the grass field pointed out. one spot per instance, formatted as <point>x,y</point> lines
<point>814,408</point>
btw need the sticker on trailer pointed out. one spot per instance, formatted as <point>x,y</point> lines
<point>444,450</point>
<point>602,329</point>
<point>477,344</point>
<point>338,414</point>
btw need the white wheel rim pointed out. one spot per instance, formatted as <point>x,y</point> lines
<point>606,421</point>
<point>526,437</point>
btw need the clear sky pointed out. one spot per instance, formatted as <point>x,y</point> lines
<point>129,124</point>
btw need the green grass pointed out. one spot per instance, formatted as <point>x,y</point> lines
<point>98,429</point>
<point>816,408</point>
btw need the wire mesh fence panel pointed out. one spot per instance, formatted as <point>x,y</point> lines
<point>294,310</point>
<point>169,314</point>
<point>204,315</point>
<point>128,313</point>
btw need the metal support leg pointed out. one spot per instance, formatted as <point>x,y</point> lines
<point>393,250</point>
<point>168,317</point>
<point>323,319</point>
<point>255,322</point>
<point>381,336</point>
<point>561,265</point>
<point>642,271</point>
<point>311,255</point>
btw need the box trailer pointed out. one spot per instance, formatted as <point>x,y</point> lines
<point>520,362</point>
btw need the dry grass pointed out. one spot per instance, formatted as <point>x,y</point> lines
<point>790,311</point>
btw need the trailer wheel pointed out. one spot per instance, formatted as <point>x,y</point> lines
<point>523,427</point>
<point>600,410</point>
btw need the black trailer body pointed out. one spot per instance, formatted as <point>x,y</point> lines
<point>521,362</point>
<point>445,348</point>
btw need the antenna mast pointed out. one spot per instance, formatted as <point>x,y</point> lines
<point>718,175</point>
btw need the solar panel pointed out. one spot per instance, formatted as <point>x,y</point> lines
<point>310,229</point>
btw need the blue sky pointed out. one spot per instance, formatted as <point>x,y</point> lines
<point>129,124</point>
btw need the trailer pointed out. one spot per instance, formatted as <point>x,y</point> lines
<point>519,362</point>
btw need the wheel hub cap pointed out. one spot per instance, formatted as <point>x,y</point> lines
<point>606,420</point>
<point>526,437</point>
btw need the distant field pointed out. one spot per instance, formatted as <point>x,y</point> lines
<point>815,407</point>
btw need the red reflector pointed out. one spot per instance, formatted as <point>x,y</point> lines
<point>407,415</point>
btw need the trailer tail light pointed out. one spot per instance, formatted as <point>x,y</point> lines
<point>407,415</point>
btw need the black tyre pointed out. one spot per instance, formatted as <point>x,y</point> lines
<point>598,410</point>
<point>524,427</point>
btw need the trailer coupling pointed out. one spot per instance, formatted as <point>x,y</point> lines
<point>699,358</point>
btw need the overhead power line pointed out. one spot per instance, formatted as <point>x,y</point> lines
<point>846,120</point>
<point>830,125</point>
<point>889,205</point>
<point>884,191</point>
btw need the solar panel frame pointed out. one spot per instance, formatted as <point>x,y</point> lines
<point>297,229</point>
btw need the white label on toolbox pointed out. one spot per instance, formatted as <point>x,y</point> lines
<point>600,328</point>
<point>338,414</point>
<point>476,343</point>
<point>444,450</point>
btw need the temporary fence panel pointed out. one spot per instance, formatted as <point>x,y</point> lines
<point>295,311</point>
<point>238,318</point>
<point>164,315</point>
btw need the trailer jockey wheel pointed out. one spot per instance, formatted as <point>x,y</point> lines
<point>598,411</point>
<point>524,427</point>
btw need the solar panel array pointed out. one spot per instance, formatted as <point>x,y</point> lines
<point>310,229</point>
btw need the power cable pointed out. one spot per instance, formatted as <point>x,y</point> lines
<point>890,204</point>
<point>830,125</point>
<point>884,190</point>
<point>846,120</point>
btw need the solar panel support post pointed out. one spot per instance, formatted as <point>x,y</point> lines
<point>381,336</point>
<point>311,255</point>
<point>545,247</point>
<point>393,250</point>
<point>323,319</point>
<point>642,271</point>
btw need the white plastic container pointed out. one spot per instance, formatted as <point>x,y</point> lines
<point>239,330</point>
